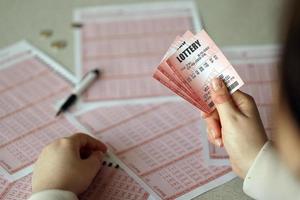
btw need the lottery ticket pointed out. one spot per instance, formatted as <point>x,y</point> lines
<point>195,62</point>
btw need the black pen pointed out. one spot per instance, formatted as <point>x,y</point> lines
<point>86,81</point>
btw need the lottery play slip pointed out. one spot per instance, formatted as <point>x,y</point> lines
<point>190,64</point>
<point>28,124</point>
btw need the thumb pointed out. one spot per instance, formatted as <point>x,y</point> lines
<point>222,99</point>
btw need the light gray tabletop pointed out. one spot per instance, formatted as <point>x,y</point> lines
<point>229,22</point>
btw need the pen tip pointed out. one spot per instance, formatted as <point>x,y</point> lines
<point>58,113</point>
<point>97,72</point>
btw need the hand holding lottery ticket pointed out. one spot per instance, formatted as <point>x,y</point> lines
<point>235,112</point>
<point>190,64</point>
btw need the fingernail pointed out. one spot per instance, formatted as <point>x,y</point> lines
<point>219,142</point>
<point>216,84</point>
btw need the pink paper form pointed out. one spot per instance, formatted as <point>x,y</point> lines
<point>114,183</point>
<point>257,66</point>
<point>27,124</point>
<point>160,146</point>
<point>17,190</point>
<point>30,85</point>
<point>3,184</point>
<point>127,42</point>
<point>110,183</point>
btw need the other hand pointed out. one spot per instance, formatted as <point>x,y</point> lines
<point>68,163</point>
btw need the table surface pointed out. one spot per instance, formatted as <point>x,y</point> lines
<point>229,22</point>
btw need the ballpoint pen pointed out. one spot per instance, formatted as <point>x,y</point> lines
<point>86,81</point>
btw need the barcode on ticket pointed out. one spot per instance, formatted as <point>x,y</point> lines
<point>211,104</point>
<point>232,86</point>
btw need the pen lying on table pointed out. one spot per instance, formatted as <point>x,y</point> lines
<point>85,82</point>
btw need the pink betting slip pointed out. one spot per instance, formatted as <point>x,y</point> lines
<point>17,190</point>
<point>159,146</point>
<point>195,62</point>
<point>3,185</point>
<point>110,183</point>
<point>113,182</point>
<point>125,43</point>
<point>27,107</point>
<point>27,123</point>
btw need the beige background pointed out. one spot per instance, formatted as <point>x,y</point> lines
<point>229,22</point>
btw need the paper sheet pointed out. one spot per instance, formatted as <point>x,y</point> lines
<point>159,145</point>
<point>257,66</point>
<point>17,190</point>
<point>114,183</point>
<point>28,123</point>
<point>127,42</point>
<point>110,183</point>
<point>3,184</point>
<point>27,113</point>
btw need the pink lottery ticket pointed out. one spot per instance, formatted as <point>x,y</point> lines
<point>126,42</point>
<point>168,77</point>
<point>199,60</point>
<point>163,79</point>
<point>27,112</point>
<point>159,145</point>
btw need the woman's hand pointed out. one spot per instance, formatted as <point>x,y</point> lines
<point>236,124</point>
<point>68,164</point>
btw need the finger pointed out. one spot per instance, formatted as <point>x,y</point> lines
<point>215,141</point>
<point>245,103</point>
<point>213,122</point>
<point>205,115</point>
<point>209,136</point>
<point>83,140</point>
<point>222,99</point>
<point>214,128</point>
<point>218,142</point>
<point>94,162</point>
<point>96,156</point>
<point>214,114</point>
